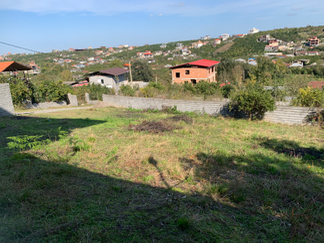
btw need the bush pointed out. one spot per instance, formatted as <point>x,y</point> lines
<point>205,88</point>
<point>226,90</point>
<point>20,91</point>
<point>48,91</point>
<point>152,89</point>
<point>309,97</point>
<point>127,90</point>
<point>254,101</point>
<point>95,91</point>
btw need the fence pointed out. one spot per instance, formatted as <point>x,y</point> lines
<point>283,114</point>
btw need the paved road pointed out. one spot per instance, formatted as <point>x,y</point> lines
<point>51,110</point>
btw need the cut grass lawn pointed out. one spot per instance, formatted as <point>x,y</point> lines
<point>85,176</point>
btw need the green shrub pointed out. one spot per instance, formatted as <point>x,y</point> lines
<point>226,90</point>
<point>127,90</point>
<point>20,91</point>
<point>309,97</point>
<point>95,92</point>
<point>152,89</point>
<point>254,101</point>
<point>48,91</point>
<point>205,88</point>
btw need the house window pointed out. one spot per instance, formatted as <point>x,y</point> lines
<point>193,81</point>
<point>177,75</point>
<point>102,81</point>
<point>187,71</point>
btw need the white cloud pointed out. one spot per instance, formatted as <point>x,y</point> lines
<point>168,7</point>
<point>160,15</point>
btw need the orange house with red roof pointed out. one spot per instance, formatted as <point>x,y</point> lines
<point>194,72</point>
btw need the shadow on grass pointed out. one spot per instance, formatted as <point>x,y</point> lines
<point>22,129</point>
<point>44,201</point>
<point>280,188</point>
<point>292,148</point>
<point>55,201</point>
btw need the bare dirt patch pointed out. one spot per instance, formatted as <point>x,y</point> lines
<point>224,48</point>
<point>165,125</point>
<point>154,126</point>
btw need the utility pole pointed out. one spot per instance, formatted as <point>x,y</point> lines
<point>130,72</point>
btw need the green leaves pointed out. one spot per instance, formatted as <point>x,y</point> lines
<point>23,142</point>
<point>309,97</point>
<point>141,71</point>
<point>254,101</point>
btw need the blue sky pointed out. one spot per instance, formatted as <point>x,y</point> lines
<point>44,25</point>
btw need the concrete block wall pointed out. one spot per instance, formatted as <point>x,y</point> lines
<point>288,114</point>
<point>6,105</point>
<point>87,98</point>
<point>209,107</point>
<point>283,114</point>
<point>73,99</point>
<point>45,105</point>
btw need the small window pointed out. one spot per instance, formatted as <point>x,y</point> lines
<point>102,81</point>
<point>187,71</point>
<point>177,75</point>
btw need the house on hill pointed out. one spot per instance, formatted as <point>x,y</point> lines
<point>313,41</point>
<point>111,78</point>
<point>201,70</point>
<point>253,31</point>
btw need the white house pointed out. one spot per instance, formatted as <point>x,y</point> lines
<point>225,36</point>
<point>111,78</point>
<point>253,31</point>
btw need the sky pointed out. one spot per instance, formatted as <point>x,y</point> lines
<point>44,25</point>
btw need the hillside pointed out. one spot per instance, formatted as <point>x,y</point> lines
<point>79,62</point>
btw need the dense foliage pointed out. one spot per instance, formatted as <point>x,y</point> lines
<point>45,91</point>
<point>95,91</point>
<point>127,90</point>
<point>48,91</point>
<point>309,97</point>
<point>141,71</point>
<point>253,101</point>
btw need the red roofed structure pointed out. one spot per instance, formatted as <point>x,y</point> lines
<point>200,70</point>
<point>13,67</point>
<point>316,84</point>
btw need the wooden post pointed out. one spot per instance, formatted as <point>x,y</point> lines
<point>130,72</point>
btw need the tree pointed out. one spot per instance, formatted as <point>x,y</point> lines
<point>141,71</point>
<point>66,75</point>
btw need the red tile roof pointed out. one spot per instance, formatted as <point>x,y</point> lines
<point>316,84</point>
<point>12,66</point>
<point>201,63</point>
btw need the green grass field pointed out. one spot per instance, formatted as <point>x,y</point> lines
<point>89,176</point>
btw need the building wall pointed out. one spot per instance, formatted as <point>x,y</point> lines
<point>197,73</point>
<point>109,81</point>
<point>283,114</point>
<point>6,105</point>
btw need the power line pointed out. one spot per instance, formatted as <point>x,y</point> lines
<point>23,48</point>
